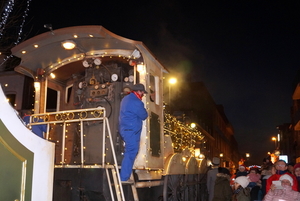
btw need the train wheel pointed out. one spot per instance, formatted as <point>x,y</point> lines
<point>173,188</point>
<point>192,187</point>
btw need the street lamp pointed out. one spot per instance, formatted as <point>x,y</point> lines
<point>193,125</point>
<point>278,141</point>
<point>221,158</point>
<point>247,155</point>
<point>274,139</point>
<point>172,81</point>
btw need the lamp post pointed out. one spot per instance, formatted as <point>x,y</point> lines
<point>172,81</point>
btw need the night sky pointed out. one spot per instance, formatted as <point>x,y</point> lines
<point>246,52</point>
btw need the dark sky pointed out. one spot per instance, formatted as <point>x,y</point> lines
<point>246,52</point>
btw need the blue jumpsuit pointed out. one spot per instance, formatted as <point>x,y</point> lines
<point>132,114</point>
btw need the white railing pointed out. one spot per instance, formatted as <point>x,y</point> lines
<point>81,116</point>
<point>73,116</point>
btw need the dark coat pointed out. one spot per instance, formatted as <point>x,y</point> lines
<point>241,194</point>
<point>222,189</point>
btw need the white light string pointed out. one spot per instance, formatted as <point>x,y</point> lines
<point>7,10</point>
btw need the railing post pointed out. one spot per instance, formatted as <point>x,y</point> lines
<point>81,143</point>
<point>63,144</point>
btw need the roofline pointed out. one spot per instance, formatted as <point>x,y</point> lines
<point>93,29</point>
<point>69,32</point>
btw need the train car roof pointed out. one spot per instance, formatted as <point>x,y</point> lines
<point>45,52</point>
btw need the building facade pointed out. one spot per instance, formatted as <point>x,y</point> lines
<point>295,118</point>
<point>194,104</point>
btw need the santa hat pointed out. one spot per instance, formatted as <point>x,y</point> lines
<point>286,177</point>
<point>296,166</point>
<point>242,180</point>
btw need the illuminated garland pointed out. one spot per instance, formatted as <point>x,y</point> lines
<point>7,10</point>
<point>183,137</point>
<point>23,22</point>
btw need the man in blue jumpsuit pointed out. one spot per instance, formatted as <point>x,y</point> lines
<point>132,114</point>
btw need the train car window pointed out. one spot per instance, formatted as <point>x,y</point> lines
<point>137,77</point>
<point>157,97</point>
<point>155,135</point>
<point>52,99</point>
<point>11,99</point>
<point>28,94</point>
<point>68,93</point>
<point>154,89</point>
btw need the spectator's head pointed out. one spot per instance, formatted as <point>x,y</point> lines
<point>286,180</point>
<point>254,170</point>
<point>273,169</point>
<point>224,171</point>
<point>281,165</point>
<point>291,167</point>
<point>297,169</point>
<point>266,160</point>
<point>216,161</point>
<point>269,170</point>
<point>26,112</point>
<point>242,181</point>
<point>242,168</point>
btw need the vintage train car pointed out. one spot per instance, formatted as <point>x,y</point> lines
<point>77,93</point>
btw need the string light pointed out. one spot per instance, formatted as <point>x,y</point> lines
<point>23,22</point>
<point>183,137</point>
<point>7,10</point>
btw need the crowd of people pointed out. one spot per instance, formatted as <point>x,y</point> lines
<point>270,182</point>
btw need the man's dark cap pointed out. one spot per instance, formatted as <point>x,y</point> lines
<point>139,87</point>
<point>223,170</point>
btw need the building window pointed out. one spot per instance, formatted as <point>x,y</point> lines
<point>68,93</point>
<point>52,99</point>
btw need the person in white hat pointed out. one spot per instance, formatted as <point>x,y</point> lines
<point>283,191</point>
<point>241,191</point>
<point>211,177</point>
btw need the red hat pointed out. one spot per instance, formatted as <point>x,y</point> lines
<point>296,166</point>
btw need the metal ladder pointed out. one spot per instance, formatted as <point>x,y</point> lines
<point>115,184</point>
<point>118,186</point>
